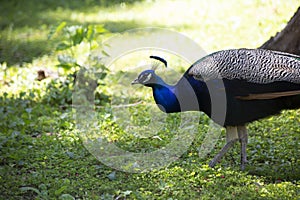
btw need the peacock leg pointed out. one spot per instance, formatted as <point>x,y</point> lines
<point>231,138</point>
<point>243,137</point>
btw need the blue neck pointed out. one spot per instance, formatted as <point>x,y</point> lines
<point>187,95</point>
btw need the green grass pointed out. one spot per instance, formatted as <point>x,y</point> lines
<point>41,154</point>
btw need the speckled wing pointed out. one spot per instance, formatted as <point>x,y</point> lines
<point>252,65</point>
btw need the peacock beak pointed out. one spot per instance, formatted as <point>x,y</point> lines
<point>136,81</point>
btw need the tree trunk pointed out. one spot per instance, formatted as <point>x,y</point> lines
<point>288,40</point>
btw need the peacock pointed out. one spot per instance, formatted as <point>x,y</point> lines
<point>251,83</point>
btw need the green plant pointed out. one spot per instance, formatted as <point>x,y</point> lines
<point>78,42</point>
<point>42,192</point>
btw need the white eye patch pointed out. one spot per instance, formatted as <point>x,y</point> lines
<point>147,78</point>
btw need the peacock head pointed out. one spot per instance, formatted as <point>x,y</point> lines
<point>148,77</point>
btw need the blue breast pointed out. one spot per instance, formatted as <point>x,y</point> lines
<point>166,99</point>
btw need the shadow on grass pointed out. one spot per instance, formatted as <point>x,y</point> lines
<point>17,51</point>
<point>31,22</point>
<point>31,13</point>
